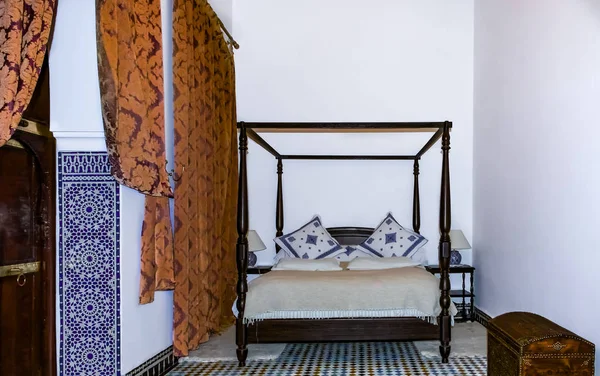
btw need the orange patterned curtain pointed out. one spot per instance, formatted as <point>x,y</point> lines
<point>206,174</point>
<point>130,68</point>
<point>24,31</point>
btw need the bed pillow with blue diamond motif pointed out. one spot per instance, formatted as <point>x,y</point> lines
<point>392,240</point>
<point>350,253</point>
<point>311,241</point>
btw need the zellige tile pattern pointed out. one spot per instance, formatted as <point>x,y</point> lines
<point>89,266</point>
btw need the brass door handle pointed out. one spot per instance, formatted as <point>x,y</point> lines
<point>21,280</point>
<point>19,269</point>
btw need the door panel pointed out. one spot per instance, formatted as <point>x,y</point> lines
<point>20,327</point>
<point>19,206</point>
<point>21,311</point>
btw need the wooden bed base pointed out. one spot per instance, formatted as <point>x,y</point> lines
<point>342,330</point>
<point>336,330</point>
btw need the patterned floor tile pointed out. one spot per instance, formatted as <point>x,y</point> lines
<point>343,359</point>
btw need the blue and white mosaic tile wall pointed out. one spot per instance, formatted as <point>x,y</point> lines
<point>89,265</point>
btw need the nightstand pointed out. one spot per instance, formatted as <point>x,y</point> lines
<point>461,293</point>
<point>259,269</point>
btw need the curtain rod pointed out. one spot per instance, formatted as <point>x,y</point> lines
<point>231,40</point>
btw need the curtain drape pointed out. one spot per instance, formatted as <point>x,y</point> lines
<point>206,175</point>
<point>25,27</point>
<point>130,68</point>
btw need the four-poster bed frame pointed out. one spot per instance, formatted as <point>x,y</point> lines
<point>343,329</point>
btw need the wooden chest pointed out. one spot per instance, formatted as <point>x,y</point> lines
<point>526,344</point>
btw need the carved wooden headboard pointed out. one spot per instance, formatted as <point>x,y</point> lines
<point>350,235</point>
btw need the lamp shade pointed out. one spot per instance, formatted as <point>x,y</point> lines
<point>254,242</point>
<point>458,240</point>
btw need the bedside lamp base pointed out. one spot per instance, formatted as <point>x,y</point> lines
<point>251,259</point>
<point>455,257</point>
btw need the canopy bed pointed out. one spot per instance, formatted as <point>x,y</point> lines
<point>353,327</point>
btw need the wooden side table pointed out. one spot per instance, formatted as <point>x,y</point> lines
<point>463,293</point>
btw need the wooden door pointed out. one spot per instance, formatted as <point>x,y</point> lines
<point>26,257</point>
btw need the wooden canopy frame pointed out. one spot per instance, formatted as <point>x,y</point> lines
<point>385,329</point>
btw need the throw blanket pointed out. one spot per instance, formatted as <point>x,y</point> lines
<point>400,292</point>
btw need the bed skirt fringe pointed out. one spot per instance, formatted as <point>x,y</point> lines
<point>320,315</point>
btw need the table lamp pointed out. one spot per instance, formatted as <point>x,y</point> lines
<point>458,241</point>
<point>255,244</point>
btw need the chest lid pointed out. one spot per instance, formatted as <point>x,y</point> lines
<point>530,333</point>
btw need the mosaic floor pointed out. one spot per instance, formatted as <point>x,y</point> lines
<point>343,359</point>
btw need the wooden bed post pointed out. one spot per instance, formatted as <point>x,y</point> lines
<point>445,247</point>
<point>242,250</point>
<point>416,200</point>
<point>279,208</point>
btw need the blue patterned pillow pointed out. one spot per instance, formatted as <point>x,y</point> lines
<point>311,241</point>
<point>392,240</point>
<point>350,253</point>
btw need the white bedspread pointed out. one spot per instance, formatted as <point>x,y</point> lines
<point>400,292</point>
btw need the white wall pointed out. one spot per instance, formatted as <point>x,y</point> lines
<point>537,90</point>
<point>350,60</point>
<point>223,8</point>
<point>76,121</point>
<point>75,99</point>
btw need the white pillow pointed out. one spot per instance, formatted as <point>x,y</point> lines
<point>420,256</point>
<point>279,255</point>
<point>376,263</point>
<point>288,263</point>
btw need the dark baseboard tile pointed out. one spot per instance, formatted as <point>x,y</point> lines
<point>158,365</point>
<point>482,317</point>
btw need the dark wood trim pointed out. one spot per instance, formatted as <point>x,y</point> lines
<point>342,330</point>
<point>464,292</point>
<point>430,143</point>
<point>279,205</point>
<point>259,269</point>
<point>242,250</point>
<point>283,330</point>
<point>352,157</point>
<point>462,268</point>
<point>160,364</point>
<point>250,128</point>
<point>482,317</point>
<point>350,235</point>
<point>416,200</point>
<point>445,248</point>
<point>345,125</point>
<point>459,294</point>
<point>43,148</point>
<point>261,141</point>
<point>49,163</point>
